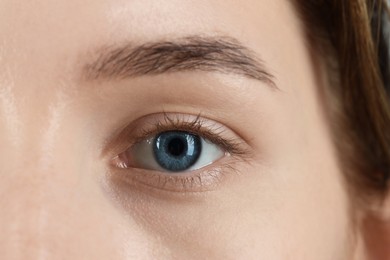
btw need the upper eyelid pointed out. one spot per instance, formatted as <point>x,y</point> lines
<point>174,120</point>
<point>190,127</point>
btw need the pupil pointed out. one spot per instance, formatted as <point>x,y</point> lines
<point>176,151</point>
<point>176,147</point>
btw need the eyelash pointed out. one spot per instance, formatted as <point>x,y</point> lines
<point>196,126</point>
<point>193,181</point>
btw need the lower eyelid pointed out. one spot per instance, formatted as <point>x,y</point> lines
<point>207,179</point>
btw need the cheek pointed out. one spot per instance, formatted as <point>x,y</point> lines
<point>302,212</point>
<point>294,211</point>
<point>310,208</point>
<point>298,211</point>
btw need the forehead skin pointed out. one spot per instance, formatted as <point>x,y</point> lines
<point>289,202</point>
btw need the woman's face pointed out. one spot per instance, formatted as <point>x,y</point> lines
<point>165,129</point>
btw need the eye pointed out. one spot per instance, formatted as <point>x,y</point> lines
<point>175,152</point>
<point>171,151</point>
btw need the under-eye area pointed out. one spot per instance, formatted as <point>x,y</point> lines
<point>176,152</point>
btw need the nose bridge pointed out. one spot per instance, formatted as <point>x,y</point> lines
<point>35,186</point>
<point>48,210</point>
<point>23,208</point>
<point>59,211</point>
<point>9,116</point>
<point>28,206</point>
<point>36,194</point>
<point>28,130</point>
<point>51,203</point>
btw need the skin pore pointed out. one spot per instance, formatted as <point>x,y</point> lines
<point>72,97</point>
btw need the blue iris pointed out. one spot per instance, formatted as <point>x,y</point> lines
<point>176,150</point>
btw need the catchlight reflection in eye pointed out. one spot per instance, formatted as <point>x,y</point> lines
<point>171,151</point>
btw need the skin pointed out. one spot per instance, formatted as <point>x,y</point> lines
<point>59,197</point>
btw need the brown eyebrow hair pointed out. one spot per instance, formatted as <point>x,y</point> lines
<point>195,53</point>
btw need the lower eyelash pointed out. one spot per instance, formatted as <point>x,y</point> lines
<point>200,181</point>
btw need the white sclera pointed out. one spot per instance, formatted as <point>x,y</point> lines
<point>143,157</point>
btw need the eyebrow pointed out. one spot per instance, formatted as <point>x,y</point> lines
<point>196,53</point>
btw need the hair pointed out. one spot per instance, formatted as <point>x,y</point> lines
<point>353,37</point>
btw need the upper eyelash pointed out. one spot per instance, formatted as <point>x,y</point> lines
<point>195,126</point>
